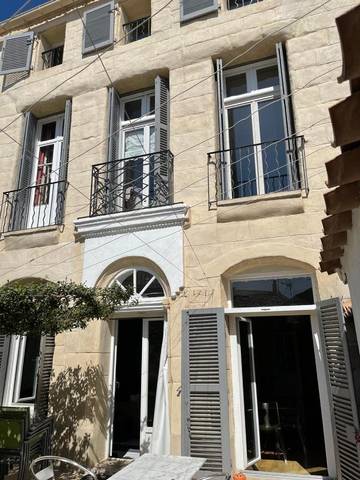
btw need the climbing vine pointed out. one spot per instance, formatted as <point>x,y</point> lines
<point>44,308</point>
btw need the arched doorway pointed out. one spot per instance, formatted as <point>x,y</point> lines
<point>139,364</point>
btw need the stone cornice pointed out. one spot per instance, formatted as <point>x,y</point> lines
<point>132,221</point>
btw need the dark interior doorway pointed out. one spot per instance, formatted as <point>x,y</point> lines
<point>126,425</point>
<point>290,421</point>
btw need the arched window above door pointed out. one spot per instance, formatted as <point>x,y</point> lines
<point>144,284</point>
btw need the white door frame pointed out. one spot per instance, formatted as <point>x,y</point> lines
<point>238,405</point>
<point>145,431</point>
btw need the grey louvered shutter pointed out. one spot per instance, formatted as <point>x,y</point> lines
<point>341,389</point>
<point>98,27</point>
<point>47,348</point>
<point>196,8</point>
<point>205,418</point>
<point>64,161</point>
<point>162,167</point>
<point>17,53</point>
<point>111,199</point>
<point>4,355</point>
<point>22,198</point>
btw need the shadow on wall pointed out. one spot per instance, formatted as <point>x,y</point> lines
<point>78,397</point>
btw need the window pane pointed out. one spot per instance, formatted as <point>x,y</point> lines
<point>142,278</point>
<point>128,282</point>
<point>132,109</point>
<point>273,292</point>
<point>242,160</point>
<point>154,290</point>
<point>267,77</point>
<point>152,105</point>
<point>134,143</point>
<point>155,343</point>
<point>43,175</point>
<point>275,163</point>
<point>29,370</point>
<point>48,131</point>
<point>236,85</point>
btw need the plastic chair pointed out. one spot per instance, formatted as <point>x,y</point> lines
<point>48,473</point>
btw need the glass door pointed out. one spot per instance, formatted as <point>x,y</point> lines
<point>45,172</point>
<point>137,143</point>
<point>252,451</point>
<point>151,350</point>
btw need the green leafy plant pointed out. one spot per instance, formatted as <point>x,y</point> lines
<point>44,308</point>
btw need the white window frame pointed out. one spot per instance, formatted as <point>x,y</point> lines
<point>47,212</point>
<point>252,98</point>
<point>14,375</point>
<point>145,122</point>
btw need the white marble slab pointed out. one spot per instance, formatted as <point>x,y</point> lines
<point>160,467</point>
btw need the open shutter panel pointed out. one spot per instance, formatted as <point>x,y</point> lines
<point>4,355</point>
<point>162,162</point>
<point>205,422</point>
<point>64,161</point>
<point>196,8</point>
<point>22,199</point>
<point>17,53</point>
<point>285,89</point>
<point>221,181</point>
<point>113,153</point>
<point>47,348</point>
<point>341,389</point>
<point>98,27</point>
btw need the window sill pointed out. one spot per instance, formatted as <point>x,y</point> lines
<point>252,208</point>
<point>32,237</point>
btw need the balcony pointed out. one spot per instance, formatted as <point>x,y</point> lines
<point>52,57</point>
<point>138,29</point>
<point>132,183</point>
<point>33,207</point>
<point>232,4</point>
<point>258,169</point>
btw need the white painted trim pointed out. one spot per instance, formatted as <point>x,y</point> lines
<point>139,310</point>
<point>272,311</point>
<point>135,220</point>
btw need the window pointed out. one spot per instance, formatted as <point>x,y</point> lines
<point>137,141</point>
<point>232,4</point>
<point>137,29</point>
<point>99,27</point>
<point>52,47</point>
<point>272,292</point>
<point>254,120</point>
<point>190,9</point>
<point>144,284</point>
<point>26,358</point>
<point>39,198</point>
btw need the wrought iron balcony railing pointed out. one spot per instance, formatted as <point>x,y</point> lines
<point>137,29</point>
<point>232,4</point>
<point>257,169</point>
<point>33,207</point>
<point>132,183</point>
<point>52,57</point>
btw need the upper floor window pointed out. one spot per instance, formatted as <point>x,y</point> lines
<point>39,198</point>
<point>52,46</point>
<point>240,3</point>
<point>136,20</point>
<point>259,152</point>
<point>190,9</point>
<point>98,29</point>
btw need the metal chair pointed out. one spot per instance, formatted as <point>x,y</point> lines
<point>47,473</point>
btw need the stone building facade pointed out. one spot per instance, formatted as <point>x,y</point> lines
<point>218,235</point>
